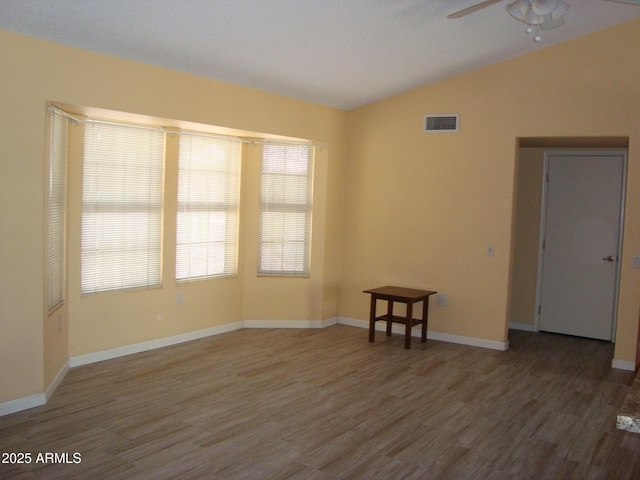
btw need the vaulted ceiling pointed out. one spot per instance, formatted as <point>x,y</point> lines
<point>340,53</point>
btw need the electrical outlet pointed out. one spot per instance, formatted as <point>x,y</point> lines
<point>491,250</point>
<point>635,261</point>
<point>179,299</point>
<point>442,300</point>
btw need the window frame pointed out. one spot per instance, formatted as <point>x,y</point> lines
<point>57,210</point>
<point>197,194</point>
<point>107,262</point>
<point>283,181</point>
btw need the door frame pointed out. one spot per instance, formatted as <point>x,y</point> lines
<point>543,216</point>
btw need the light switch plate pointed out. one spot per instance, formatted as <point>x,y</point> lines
<point>635,261</point>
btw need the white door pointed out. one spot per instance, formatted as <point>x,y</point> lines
<point>581,240</point>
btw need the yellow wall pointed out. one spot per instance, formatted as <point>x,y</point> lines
<point>526,235</point>
<point>420,209</point>
<point>32,348</point>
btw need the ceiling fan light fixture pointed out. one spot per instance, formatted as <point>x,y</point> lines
<point>519,9</point>
<point>536,14</point>
<point>532,18</point>
<point>560,10</point>
<point>550,23</point>
<point>544,7</point>
<point>543,14</point>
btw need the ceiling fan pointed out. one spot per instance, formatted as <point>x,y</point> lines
<point>541,5</point>
<point>536,14</point>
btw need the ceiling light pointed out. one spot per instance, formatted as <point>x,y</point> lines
<point>544,7</point>
<point>551,23</point>
<point>543,14</point>
<point>518,9</point>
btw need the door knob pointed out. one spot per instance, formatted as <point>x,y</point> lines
<point>610,258</point>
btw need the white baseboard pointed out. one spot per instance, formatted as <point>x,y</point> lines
<point>469,341</point>
<point>290,323</point>
<point>187,337</point>
<point>56,381</point>
<point>35,400</point>
<point>443,337</point>
<point>623,364</point>
<point>152,344</point>
<point>526,327</point>
<point>330,321</point>
<point>24,403</point>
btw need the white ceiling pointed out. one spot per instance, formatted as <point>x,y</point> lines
<point>340,53</point>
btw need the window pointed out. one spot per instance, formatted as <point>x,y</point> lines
<point>285,210</point>
<point>57,209</point>
<point>121,207</point>
<point>207,220</point>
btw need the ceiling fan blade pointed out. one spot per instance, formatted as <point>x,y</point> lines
<point>473,8</point>
<point>630,2</point>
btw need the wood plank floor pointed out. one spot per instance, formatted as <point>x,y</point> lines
<point>326,404</point>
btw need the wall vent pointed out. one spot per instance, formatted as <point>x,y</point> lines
<point>448,122</point>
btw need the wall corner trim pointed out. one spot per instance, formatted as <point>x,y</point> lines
<point>56,381</point>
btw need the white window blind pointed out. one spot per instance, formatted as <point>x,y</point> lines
<point>285,210</point>
<point>57,209</point>
<point>121,207</point>
<point>208,197</point>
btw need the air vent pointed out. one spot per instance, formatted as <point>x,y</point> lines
<point>448,122</point>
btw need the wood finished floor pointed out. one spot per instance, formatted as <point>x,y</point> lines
<point>326,404</point>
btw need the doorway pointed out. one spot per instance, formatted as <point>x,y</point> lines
<point>528,194</point>
<point>580,242</point>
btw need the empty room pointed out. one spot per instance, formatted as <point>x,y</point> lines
<point>320,240</point>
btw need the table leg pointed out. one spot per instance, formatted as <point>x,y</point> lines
<point>425,318</point>
<point>372,319</point>
<point>389,316</point>
<point>407,332</point>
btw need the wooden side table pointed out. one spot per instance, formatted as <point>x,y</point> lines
<point>409,296</point>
